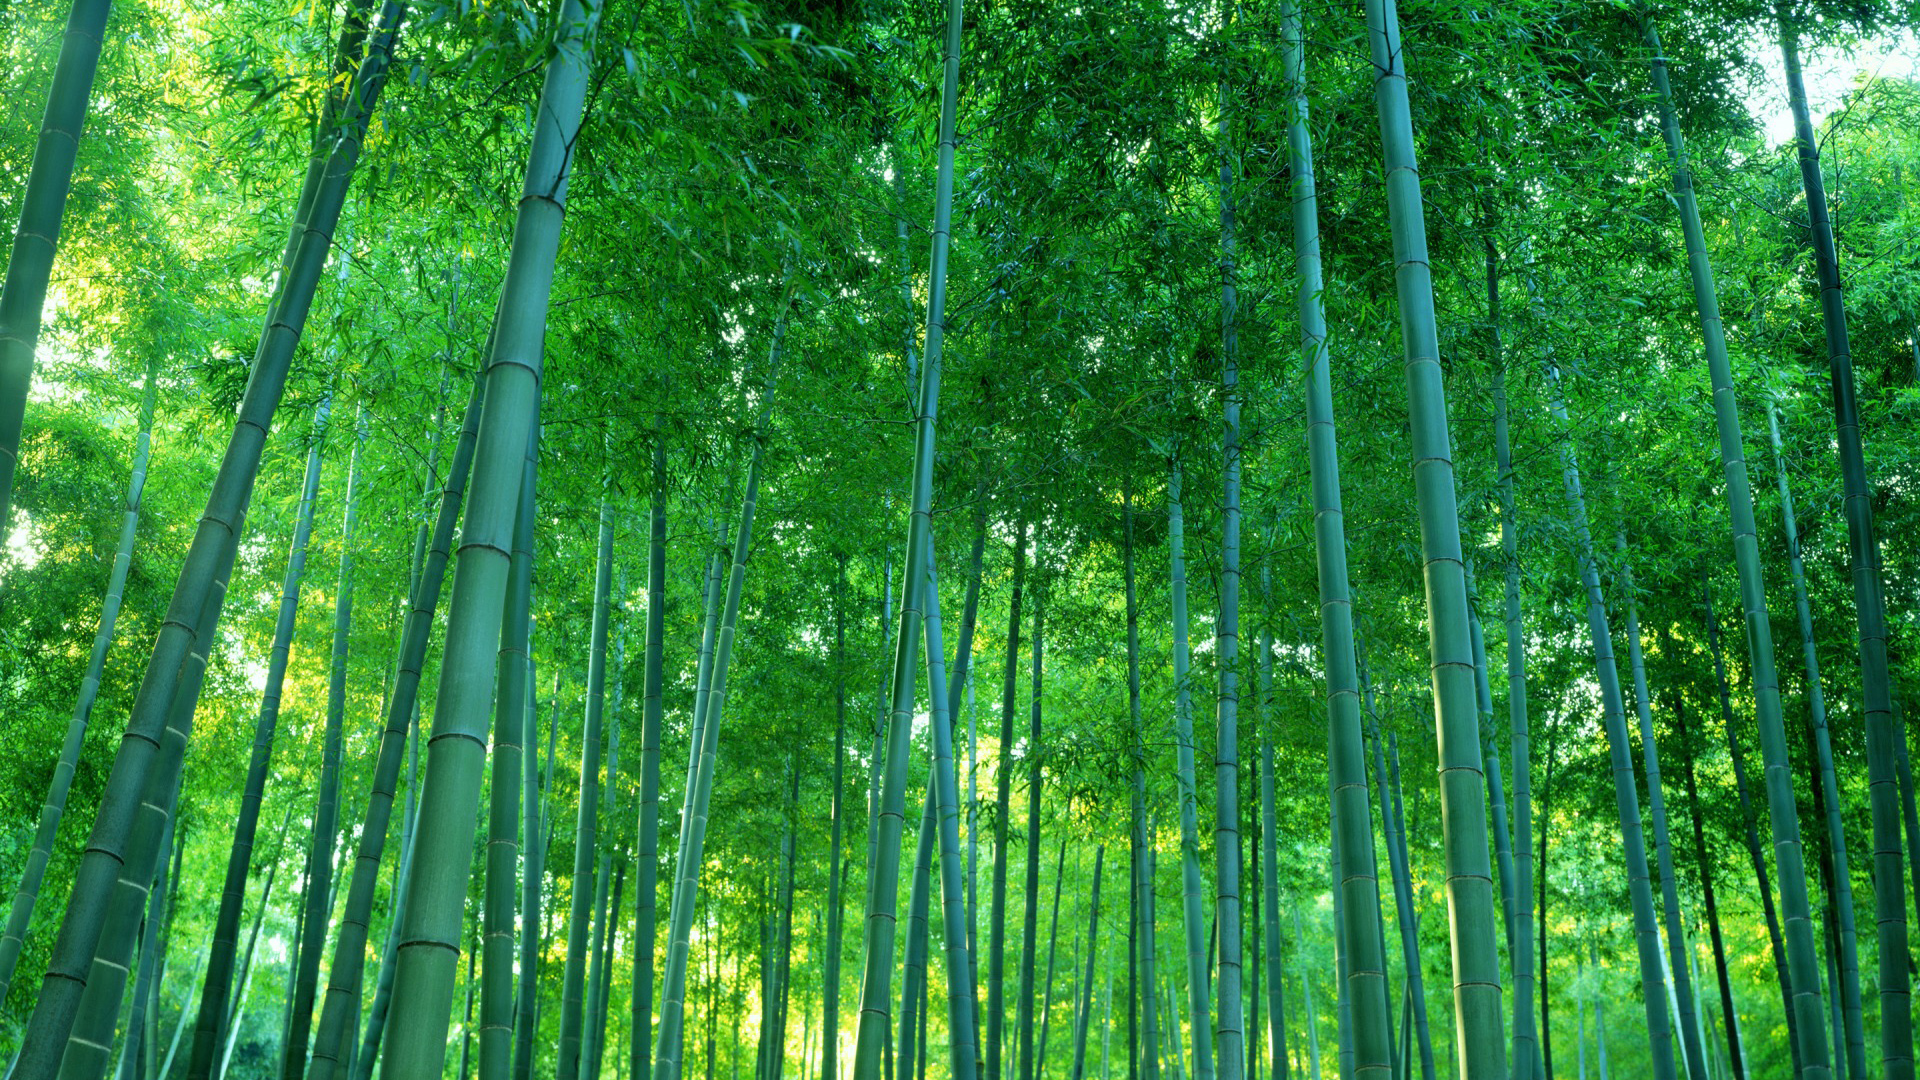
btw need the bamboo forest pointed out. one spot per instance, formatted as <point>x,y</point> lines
<point>1424,496</point>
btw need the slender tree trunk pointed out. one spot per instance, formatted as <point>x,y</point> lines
<point>1365,986</point>
<point>426,962</point>
<point>124,834</point>
<point>507,782</point>
<point>1626,790</point>
<point>30,264</point>
<point>600,1043</point>
<point>1490,758</point>
<point>318,891</point>
<point>1704,863</point>
<point>1030,921</point>
<point>1141,857</point>
<point>668,1049</point>
<point>1803,973</point>
<point>20,915</point>
<point>1191,886</point>
<point>587,826</point>
<point>213,1001</point>
<point>1692,1043</point>
<point>1540,895</point>
<point>1754,851</point>
<point>1306,990</point>
<point>1403,904</point>
<point>1842,900</point>
<point>1409,918</point>
<point>997,928</point>
<point>138,1035</point>
<point>1481,1047</point>
<point>1526,1037</point>
<point>1863,549</point>
<point>830,979</point>
<point>1230,1022</point>
<point>1269,847</point>
<point>647,845</point>
<point>1053,950</point>
<point>1086,994</point>
<point>884,879</point>
<point>533,873</point>
<point>592,1041</point>
<point>944,787</point>
<point>1004,793</point>
<point>914,980</point>
<point>346,974</point>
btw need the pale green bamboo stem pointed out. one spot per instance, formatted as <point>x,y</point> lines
<point>20,915</point>
<point>1479,1043</point>
<point>1848,997</point>
<point>1625,790</point>
<point>507,782</point>
<point>426,963</point>
<point>1782,811</point>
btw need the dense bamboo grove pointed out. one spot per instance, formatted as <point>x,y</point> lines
<point>481,483</point>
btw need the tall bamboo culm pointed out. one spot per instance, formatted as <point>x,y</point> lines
<point>1626,792</point>
<point>30,264</point>
<point>1847,962</point>
<point>426,964</point>
<point>1528,1058</point>
<point>506,788</point>
<point>586,839</point>
<point>20,915</point>
<point>1885,739</point>
<point>647,846</point>
<point>1479,1042</point>
<point>1803,967</point>
<point>1372,1023</point>
<point>112,844</point>
<point>884,879</point>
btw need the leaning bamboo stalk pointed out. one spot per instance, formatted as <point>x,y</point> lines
<point>1364,982</point>
<point>213,999</point>
<point>346,974</point>
<point>30,263</point>
<point>669,1051</point>
<point>432,935</point>
<point>1802,966</point>
<point>20,915</point>
<point>884,878</point>
<point>191,619</point>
